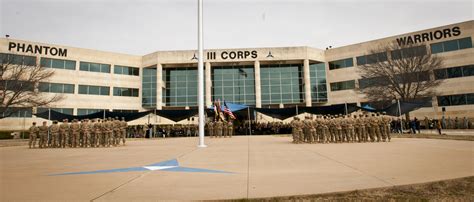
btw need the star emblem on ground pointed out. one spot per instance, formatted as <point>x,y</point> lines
<point>170,166</point>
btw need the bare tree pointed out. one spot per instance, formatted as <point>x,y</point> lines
<point>399,72</point>
<point>19,85</point>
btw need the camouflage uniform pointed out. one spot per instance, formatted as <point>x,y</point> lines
<point>43,135</point>
<point>64,134</point>
<point>75,129</point>
<point>210,129</point>
<point>123,128</point>
<point>54,130</point>
<point>33,135</point>
<point>218,128</point>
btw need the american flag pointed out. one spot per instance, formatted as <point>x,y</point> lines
<point>228,112</point>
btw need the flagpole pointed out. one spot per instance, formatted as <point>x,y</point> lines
<point>200,77</point>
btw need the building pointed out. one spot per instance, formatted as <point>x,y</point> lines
<point>93,80</point>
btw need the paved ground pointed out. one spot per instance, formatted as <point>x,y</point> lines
<point>260,166</point>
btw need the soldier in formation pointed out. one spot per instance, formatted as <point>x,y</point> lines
<point>85,133</point>
<point>339,128</point>
<point>220,128</point>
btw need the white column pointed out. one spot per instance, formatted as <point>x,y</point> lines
<point>258,90</point>
<point>159,86</point>
<point>208,84</point>
<point>307,83</point>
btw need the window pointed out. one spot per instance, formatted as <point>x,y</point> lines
<point>58,64</point>
<point>15,85</point>
<point>373,58</point>
<point>454,72</point>
<point>452,100</point>
<point>451,45</point>
<point>149,86</point>
<point>94,67</point>
<point>343,85</point>
<point>17,112</point>
<point>318,82</point>
<point>128,92</point>
<point>56,88</point>
<point>60,110</point>
<point>408,52</point>
<point>235,83</point>
<point>134,71</point>
<point>94,90</point>
<point>282,83</point>
<point>17,59</point>
<point>341,63</point>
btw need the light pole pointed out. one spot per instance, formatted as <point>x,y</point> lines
<point>200,77</point>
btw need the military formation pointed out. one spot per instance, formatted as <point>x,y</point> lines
<point>342,128</point>
<point>85,133</point>
<point>220,128</point>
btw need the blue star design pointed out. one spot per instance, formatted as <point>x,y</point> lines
<point>170,165</point>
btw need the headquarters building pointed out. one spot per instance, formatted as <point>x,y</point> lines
<point>93,80</point>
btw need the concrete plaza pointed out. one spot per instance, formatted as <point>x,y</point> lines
<point>254,167</point>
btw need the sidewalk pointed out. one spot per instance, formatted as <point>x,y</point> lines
<point>249,167</point>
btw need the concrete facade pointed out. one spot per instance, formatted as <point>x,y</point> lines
<point>256,57</point>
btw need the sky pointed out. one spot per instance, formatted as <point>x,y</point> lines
<point>140,27</point>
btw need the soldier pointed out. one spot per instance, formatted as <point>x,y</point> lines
<point>344,125</point>
<point>75,129</point>
<point>115,131</point>
<point>332,129</point>
<point>350,128</point>
<point>294,129</point>
<point>123,128</point>
<point>230,128</point>
<point>81,132</point>
<point>374,128</point>
<point>306,129</point>
<point>86,130</point>
<point>54,130</point>
<point>338,122</point>
<point>218,128</point>
<point>365,128</point>
<point>387,121</point>
<point>43,135</point>
<point>325,129</point>
<point>313,135</point>
<point>109,126</point>
<point>103,133</point>
<point>64,133</point>
<point>33,135</point>
<point>93,134</point>
<point>210,129</point>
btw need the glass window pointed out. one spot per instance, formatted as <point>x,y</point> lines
<point>454,72</point>
<point>440,74</point>
<point>105,68</point>
<point>68,88</point>
<point>458,99</point>
<point>45,62</point>
<point>104,90</point>
<point>443,101</point>
<point>451,45</point>
<point>59,64</point>
<point>470,98</point>
<point>84,66</point>
<point>83,89</point>
<point>94,67</point>
<point>94,90</point>
<point>465,43</point>
<point>436,48</point>
<point>361,60</point>
<point>468,70</point>
<point>70,65</point>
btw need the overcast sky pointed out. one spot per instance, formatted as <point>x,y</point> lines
<point>143,26</point>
